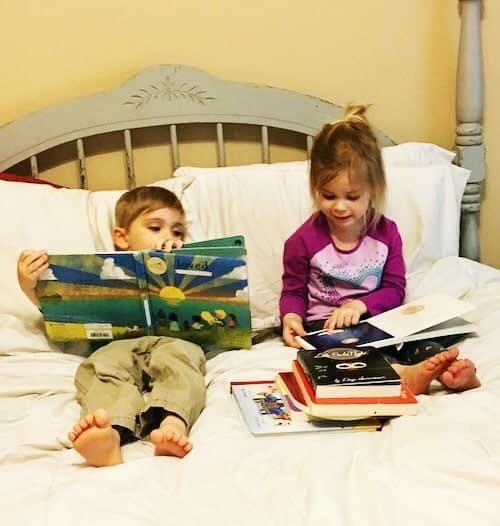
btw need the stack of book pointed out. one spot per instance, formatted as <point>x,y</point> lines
<point>344,382</point>
<point>343,388</point>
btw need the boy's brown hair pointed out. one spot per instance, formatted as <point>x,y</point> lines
<point>141,200</point>
<point>349,145</point>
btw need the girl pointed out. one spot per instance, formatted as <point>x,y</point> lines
<point>346,260</point>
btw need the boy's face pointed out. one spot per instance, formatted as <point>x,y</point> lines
<point>160,229</point>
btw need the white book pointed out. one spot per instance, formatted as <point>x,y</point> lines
<point>429,317</point>
<point>420,314</point>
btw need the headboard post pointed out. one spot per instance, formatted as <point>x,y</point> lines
<point>469,115</point>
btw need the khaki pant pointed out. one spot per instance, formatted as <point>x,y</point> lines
<point>134,380</point>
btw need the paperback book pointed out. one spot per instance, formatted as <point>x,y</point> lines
<point>347,371</point>
<point>197,293</point>
<point>263,409</point>
<point>404,403</point>
<point>431,316</point>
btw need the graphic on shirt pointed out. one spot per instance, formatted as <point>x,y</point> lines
<point>338,275</point>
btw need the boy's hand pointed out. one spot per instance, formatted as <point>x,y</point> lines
<point>346,315</point>
<point>292,326</point>
<point>30,266</point>
<point>169,244</point>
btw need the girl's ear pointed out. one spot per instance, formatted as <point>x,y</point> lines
<point>120,238</point>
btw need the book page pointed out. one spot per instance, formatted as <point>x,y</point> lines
<point>420,314</point>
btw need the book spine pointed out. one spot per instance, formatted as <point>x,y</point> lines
<point>305,369</point>
<point>142,283</point>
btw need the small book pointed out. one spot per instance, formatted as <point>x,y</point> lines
<point>431,316</point>
<point>264,411</point>
<point>197,293</point>
<point>360,407</point>
<point>347,372</point>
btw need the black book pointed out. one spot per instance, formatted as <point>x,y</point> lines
<point>347,371</point>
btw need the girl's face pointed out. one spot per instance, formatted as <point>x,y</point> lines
<point>344,203</point>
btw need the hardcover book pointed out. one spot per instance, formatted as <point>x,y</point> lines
<point>197,293</point>
<point>429,317</point>
<point>349,372</point>
<point>263,409</point>
<point>359,407</point>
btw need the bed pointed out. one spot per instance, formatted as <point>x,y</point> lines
<point>439,467</point>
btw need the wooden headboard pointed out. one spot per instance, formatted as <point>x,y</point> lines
<point>173,96</point>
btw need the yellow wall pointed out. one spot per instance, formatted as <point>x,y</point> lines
<point>399,55</point>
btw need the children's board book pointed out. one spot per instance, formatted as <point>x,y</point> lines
<point>429,317</point>
<point>347,371</point>
<point>197,293</point>
<point>359,407</point>
<point>263,409</point>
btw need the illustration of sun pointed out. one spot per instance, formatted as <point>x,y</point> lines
<point>172,293</point>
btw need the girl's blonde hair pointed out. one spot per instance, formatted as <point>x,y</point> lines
<point>141,200</point>
<point>349,145</point>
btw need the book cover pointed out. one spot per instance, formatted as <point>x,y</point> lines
<point>263,410</point>
<point>197,297</point>
<point>430,317</point>
<point>403,404</point>
<point>348,371</point>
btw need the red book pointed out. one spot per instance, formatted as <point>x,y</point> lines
<point>359,407</point>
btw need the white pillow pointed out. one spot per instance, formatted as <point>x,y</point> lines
<point>266,203</point>
<point>37,216</point>
<point>425,203</point>
<point>417,153</point>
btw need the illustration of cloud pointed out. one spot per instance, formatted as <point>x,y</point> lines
<point>110,271</point>
<point>237,273</point>
<point>48,275</point>
<point>242,293</point>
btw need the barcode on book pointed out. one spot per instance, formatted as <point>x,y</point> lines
<point>99,331</point>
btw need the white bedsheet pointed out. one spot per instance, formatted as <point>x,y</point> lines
<point>441,467</point>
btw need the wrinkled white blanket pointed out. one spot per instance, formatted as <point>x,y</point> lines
<point>441,467</point>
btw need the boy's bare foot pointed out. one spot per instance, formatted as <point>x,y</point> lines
<point>418,377</point>
<point>95,439</point>
<point>460,376</point>
<point>171,437</point>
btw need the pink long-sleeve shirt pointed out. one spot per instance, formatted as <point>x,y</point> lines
<point>318,276</point>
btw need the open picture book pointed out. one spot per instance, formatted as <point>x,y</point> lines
<point>197,293</point>
<point>431,316</point>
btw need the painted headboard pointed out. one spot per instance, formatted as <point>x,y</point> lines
<point>176,95</point>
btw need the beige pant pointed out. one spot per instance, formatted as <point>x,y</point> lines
<point>137,380</point>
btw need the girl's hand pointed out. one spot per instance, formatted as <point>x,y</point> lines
<point>30,266</point>
<point>346,315</point>
<point>292,326</point>
<point>169,244</point>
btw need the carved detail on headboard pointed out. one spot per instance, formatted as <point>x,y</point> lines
<point>170,89</point>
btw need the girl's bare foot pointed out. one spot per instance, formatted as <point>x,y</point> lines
<point>95,439</point>
<point>460,376</point>
<point>419,376</point>
<point>171,438</point>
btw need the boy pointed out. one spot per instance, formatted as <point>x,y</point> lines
<point>112,382</point>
